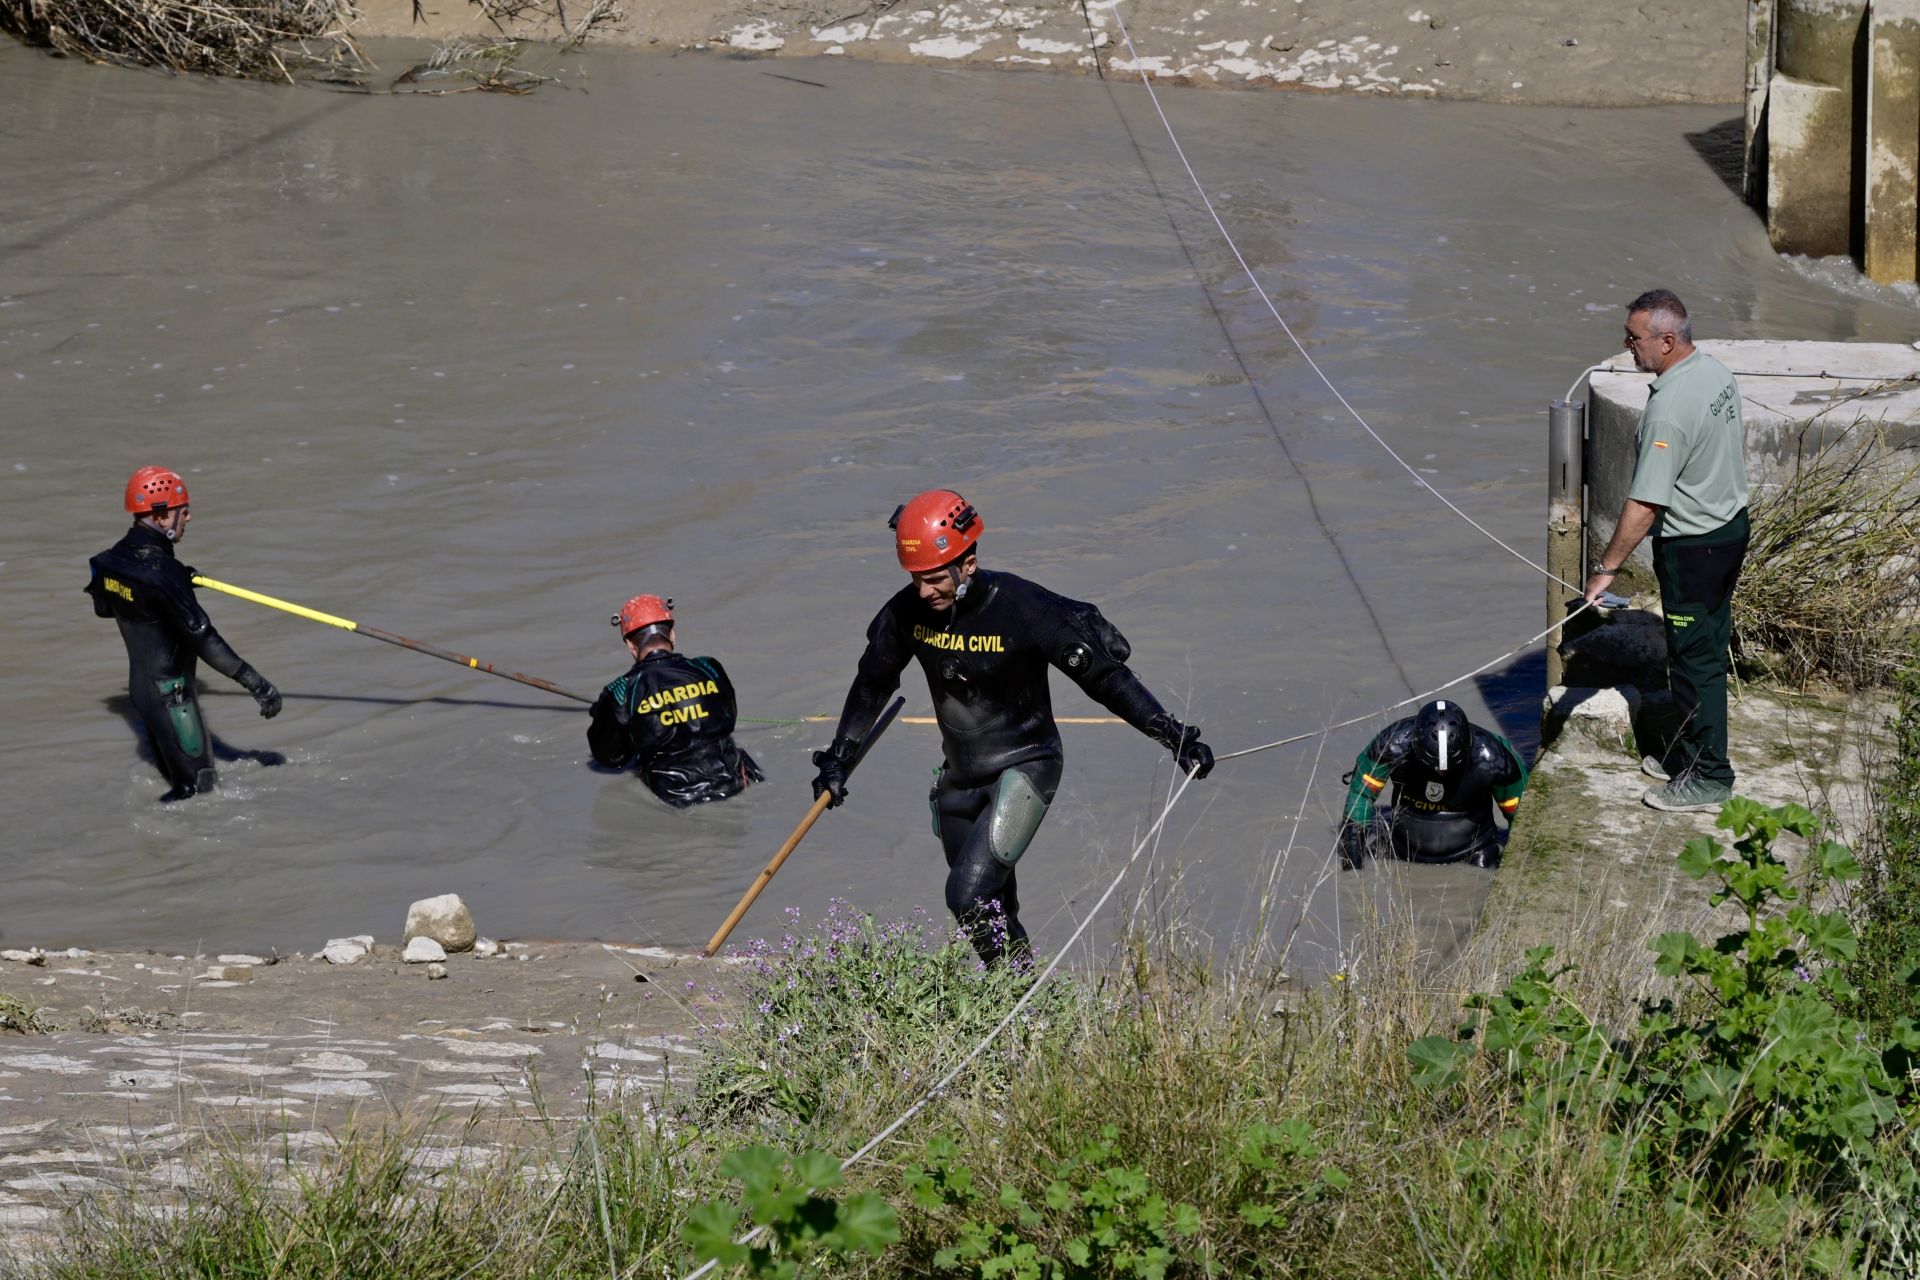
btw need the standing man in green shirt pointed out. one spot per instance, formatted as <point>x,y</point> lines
<point>1690,491</point>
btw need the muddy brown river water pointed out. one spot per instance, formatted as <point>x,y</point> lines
<point>475,369</point>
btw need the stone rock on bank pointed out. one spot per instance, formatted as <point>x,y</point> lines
<point>347,950</point>
<point>423,950</point>
<point>444,919</point>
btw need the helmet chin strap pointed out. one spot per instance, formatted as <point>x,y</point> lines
<point>960,584</point>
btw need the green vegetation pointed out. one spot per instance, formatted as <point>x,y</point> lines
<point>1887,970</point>
<point>1829,590</point>
<point>22,1015</point>
<point>1754,1115</point>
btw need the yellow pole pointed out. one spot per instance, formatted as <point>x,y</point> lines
<point>273,602</point>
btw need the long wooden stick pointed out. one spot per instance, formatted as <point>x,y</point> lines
<point>389,637</point>
<point>820,803</point>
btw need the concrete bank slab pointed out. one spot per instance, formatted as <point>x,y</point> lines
<point>1591,870</point>
<point>1797,398</point>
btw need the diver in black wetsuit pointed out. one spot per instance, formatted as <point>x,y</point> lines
<point>140,584</point>
<point>985,641</point>
<point>670,715</point>
<point>1448,777</point>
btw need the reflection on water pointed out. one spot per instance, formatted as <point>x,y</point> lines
<point>476,369</point>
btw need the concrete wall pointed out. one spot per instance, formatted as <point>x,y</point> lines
<point>1787,416</point>
<point>1833,129</point>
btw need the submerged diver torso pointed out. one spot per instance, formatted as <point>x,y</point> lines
<point>1436,815</point>
<point>672,717</point>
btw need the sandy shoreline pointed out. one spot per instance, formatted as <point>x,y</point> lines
<point>1539,52</point>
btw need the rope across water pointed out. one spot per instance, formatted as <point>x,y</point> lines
<point>1153,831</point>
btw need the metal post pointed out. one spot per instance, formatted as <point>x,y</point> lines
<point>1566,437</point>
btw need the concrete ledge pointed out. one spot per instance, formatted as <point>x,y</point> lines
<point>1786,417</point>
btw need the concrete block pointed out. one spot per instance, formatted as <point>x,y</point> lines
<point>1890,252</point>
<point>1809,167</point>
<point>1814,40</point>
<point>1787,418</point>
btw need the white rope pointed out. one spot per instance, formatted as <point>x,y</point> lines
<point>1152,833</point>
<point>1146,79</point>
<point>1407,702</point>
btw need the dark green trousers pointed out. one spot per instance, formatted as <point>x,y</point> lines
<point>1697,576</point>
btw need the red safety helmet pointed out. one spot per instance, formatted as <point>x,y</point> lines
<point>934,530</point>
<point>155,489</point>
<point>641,612</point>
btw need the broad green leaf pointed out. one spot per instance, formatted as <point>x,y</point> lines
<point>1836,860</point>
<point>817,1170</point>
<point>1832,936</point>
<point>1438,1060</point>
<point>1698,855</point>
<point>709,1233</point>
<point>1674,951</point>
<point>866,1223</point>
<point>751,1165</point>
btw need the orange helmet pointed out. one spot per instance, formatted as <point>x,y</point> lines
<point>155,489</point>
<point>641,612</point>
<point>934,529</point>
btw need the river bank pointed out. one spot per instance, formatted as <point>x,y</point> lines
<point>1541,52</point>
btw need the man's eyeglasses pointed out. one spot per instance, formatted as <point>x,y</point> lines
<point>1633,341</point>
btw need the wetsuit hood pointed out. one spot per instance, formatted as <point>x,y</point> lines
<point>143,537</point>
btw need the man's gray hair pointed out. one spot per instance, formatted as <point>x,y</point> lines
<point>1668,312</point>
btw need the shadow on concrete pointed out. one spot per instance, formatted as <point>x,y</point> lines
<point>1723,147</point>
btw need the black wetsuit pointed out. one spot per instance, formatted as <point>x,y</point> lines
<point>141,584</point>
<point>1436,817</point>
<point>673,716</point>
<point>986,663</point>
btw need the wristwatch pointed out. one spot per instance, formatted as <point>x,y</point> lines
<point>1599,567</point>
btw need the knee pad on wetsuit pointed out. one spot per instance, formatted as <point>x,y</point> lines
<point>183,716</point>
<point>1018,808</point>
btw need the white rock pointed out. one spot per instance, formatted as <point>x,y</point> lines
<point>423,951</point>
<point>1605,716</point>
<point>484,947</point>
<point>241,959</point>
<point>228,973</point>
<point>22,957</point>
<point>344,951</point>
<point>444,920</point>
<point>436,971</point>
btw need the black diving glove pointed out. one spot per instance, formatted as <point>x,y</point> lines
<point>262,690</point>
<point>1192,755</point>
<point>1353,847</point>
<point>833,764</point>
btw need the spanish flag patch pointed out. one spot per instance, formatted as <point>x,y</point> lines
<point>1659,444</point>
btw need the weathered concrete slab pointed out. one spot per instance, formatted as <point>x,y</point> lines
<point>1814,39</point>
<point>1790,407</point>
<point>1890,250</point>
<point>1809,167</point>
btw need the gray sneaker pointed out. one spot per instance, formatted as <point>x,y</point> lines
<point>1688,793</point>
<point>1655,769</point>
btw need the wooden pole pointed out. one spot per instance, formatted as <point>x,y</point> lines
<point>820,803</point>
